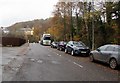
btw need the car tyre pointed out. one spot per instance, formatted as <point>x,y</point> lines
<point>51,47</point>
<point>60,49</point>
<point>57,48</point>
<point>91,58</point>
<point>72,53</point>
<point>66,51</point>
<point>113,64</point>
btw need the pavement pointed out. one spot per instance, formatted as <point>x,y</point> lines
<point>0,64</point>
<point>11,60</point>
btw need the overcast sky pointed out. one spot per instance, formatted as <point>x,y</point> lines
<point>12,11</point>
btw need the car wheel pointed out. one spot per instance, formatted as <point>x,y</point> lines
<point>60,49</point>
<point>91,58</point>
<point>113,63</point>
<point>72,53</point>
<point>65,50</point>
<point>57,48</point>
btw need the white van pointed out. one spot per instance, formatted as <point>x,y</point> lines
<point>46,39</point>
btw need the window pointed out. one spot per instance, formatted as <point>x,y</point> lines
<point>47,38</point>
<point>56,42</point>
<point>102,48</point>
<point>82,44</point>
<point>109,48</point>
<point>78,44</point>
<point>69,43</point>
<point>116,49</point>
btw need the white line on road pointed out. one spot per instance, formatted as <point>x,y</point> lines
<point>49,55</point>
<point>39,61</point>
<point>59,55</point>
<point>32,60</point>
<point>78,64</point>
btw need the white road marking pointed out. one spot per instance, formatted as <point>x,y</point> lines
<point>49,55</point>
<point>39,61</point>
<point>78,64</point>
<point>15,69</point>
<point>59,55</point>
<point>32,60</point>
<point>55,62</point>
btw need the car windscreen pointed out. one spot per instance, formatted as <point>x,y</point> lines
<point>82,44</point>
<point>47,38</point>
<point>77,44</point>
<point>62,43</point>
<point>56,42</point>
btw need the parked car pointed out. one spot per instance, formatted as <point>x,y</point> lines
<point>61,45</point>
<point>108,53</point>
<point>54,44</point>
<point>76,48</point>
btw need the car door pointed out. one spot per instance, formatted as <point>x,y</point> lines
<point>69,46</point>
<point>107,53</point>
<point>99,53</point>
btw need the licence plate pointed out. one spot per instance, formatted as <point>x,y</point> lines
<point>83,52</point>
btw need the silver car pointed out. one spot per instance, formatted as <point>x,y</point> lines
<point>108,53</point>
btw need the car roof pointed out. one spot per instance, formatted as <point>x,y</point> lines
<point>76,41</point>
<point>113,45</point>
<point>73,41</point>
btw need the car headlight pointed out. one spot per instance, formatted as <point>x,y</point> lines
<point>75,48</point>
<point>87,47</point>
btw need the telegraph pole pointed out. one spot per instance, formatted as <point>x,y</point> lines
<point>93,35</point>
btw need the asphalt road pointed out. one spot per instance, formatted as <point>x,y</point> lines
<point>43,63</point>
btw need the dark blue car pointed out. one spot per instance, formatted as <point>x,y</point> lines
<point>77,48</point>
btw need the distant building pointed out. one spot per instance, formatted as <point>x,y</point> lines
<point>27,31</point>
<point>4,30</point>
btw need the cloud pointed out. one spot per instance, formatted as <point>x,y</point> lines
<point>22,10</point>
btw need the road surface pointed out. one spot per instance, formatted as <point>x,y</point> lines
<point>43,63</point>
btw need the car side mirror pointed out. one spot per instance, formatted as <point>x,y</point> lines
<point>98,50</point>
